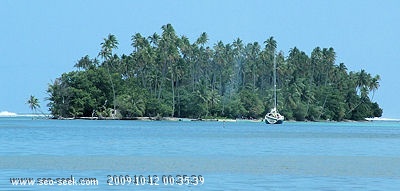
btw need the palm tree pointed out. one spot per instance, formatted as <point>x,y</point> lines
<point>270,45</point>
<point>138,42</point>
<point>374,85</point>
<point>316,66</point>
<point>269,54</point>
<point>169,46</point>
<point>203,39</point>
<point>107,46</point>
<point>198,52</point>
<point>342,68</point>
<point>252,52</point>
<point>154,39</point>
<point>33,103</point>
<point>85,63</point>
<point>238,54</point>
<point>363,81</point>
<point>141,56</point>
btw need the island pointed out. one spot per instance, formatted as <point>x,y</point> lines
<point>167,75</point>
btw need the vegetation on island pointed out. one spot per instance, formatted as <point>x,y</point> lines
<point>166,75</point>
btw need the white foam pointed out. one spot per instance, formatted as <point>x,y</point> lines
<point>7,114</point>
<point>12,114</point>
<point>381,119</point>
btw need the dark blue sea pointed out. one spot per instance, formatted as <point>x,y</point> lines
<point>86,155</point>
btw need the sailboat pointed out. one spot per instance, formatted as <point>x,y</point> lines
<point>273,117</point>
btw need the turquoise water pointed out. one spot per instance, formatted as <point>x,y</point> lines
<point>223,155</point>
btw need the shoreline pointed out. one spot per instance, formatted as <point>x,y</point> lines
<point>164,119</point>
<point>176,119</point>
<point>188,119</point>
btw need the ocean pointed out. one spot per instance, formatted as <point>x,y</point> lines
<point>38,154</point>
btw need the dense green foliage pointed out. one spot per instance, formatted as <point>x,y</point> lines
<point>167,75</point>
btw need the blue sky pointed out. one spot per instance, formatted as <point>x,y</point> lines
<point>40,40</point>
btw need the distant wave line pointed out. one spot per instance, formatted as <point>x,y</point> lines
<point>12,114</point>
<point>381,119</point>
<point>7,114</point>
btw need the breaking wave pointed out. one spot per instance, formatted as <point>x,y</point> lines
<point>382,119</point>
<point>12,114</point>
<point>7,114</point>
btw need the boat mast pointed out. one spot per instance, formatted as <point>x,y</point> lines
<point>275,102</point>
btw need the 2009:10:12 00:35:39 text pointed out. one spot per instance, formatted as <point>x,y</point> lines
<point>155,180</point>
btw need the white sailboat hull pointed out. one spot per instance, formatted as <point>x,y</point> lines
<point>274,120</point>
<point>273,117</point>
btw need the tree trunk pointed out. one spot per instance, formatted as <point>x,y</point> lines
<point>173,94</point>
<point>163,71</point>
